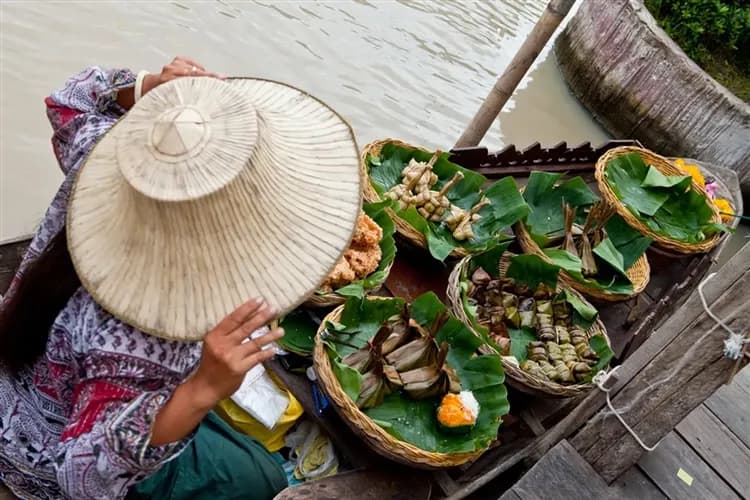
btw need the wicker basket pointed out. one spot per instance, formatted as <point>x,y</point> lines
<point>639,273</point>
<point>666,167</point>
<point>364,426</point>
<point>515,376</point>
<point>403,228</point>
<point>334,299</point>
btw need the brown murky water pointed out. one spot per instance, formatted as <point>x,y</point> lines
<point>407,69</point>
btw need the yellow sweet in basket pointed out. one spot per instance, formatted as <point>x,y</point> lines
<point>241,421</point>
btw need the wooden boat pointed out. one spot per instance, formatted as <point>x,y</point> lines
<point>539,424</point>
<point>534,425</point>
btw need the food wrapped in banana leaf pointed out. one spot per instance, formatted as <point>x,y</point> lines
<point>435,379</point>
<point>527,312</point>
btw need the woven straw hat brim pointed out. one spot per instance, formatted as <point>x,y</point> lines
<point>172,248</point>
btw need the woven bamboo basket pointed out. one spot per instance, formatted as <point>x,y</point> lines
<point>364,427</point>
<point>639,273</point>
<point>666,167</point>
<point>334,299</point>
<point>515,376</point>
<point>403,228</point>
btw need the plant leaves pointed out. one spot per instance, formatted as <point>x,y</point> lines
<point>489,260</point>
<point>607,252</point>
<point>583,314</point>
<point>630,243</point>
<point>571,264</point>
<point>654,178</point>
<point>520,338</point>
<point>624,174</point>
<point>299,333</point>
<point>505,208</point>
<point>600,346</point>
<point>675,212</point>
<point>415,421</point>
<point>545,200</point>
<point>361,319</point>
<point>532,270</point>
<point>349,378</point>
<point>685,217</point>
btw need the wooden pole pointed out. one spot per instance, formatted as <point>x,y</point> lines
<point>686,366</point>
<point>553,14</point>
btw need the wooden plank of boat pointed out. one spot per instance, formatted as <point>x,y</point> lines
<point>718,446</point>
<point>561,475</point>
<point>363,485</point>
<point>680,473</point>
<point>731,405</point>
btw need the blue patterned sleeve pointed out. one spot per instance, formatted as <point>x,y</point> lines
<point>83,109</point>
<point>128,376</point>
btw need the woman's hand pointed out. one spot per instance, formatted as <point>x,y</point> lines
<point>226,357</point>
<point>180,66</point>
<point>225,360</point>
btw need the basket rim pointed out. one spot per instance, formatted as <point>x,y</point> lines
<point>333,298</point>
<point>371,432</point>
<point>403,228</point>
<point>664,165</point>
<point>528,245</point>
<point>510,364</point>
<point>640,267</point>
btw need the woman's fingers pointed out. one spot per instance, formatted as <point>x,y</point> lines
<point>257,344</point>
<point>199,72</point>
<point>189,62</point>
<point>260,318</point>
<point>238,317</point>
<point>257,358</point>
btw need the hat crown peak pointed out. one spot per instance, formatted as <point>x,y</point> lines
<point>179,131</point>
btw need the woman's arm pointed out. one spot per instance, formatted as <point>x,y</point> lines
<point>84,109</point>
<point>131,409</point>
<point>224,362</point>
<point>93,100</point>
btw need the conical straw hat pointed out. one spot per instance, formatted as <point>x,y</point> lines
<point>208,193</point>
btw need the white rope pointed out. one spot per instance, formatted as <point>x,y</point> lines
<point>600,379</point>
<point>734,343</point>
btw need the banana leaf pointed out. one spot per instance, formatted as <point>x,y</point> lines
<point>413,421</point>
<point>597,343</point>
<point>544,194</point>
<point>608,279</point>
<point>525,268</point>
<point>654,178</point>
<point>299,332</point>
<point>519,339</point>
<point>505,208</point>
<point>630,243</point>
<point>376,211</point>
<point>532,270</point>
<point>667,205</point>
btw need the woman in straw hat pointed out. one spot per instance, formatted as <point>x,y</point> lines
<point>184,195</point>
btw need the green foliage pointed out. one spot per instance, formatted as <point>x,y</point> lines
<point>414,421</point>
<point>506,206</point>
<point>712,33</point>
<point>677,212</point>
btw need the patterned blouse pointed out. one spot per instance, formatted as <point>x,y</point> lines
<point>78,423</point>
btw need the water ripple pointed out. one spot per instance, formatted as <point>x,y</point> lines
<point>412,69</point>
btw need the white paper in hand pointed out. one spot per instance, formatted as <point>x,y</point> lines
<point>260,396</point>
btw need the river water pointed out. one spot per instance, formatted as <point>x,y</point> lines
<point>413,70</point>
